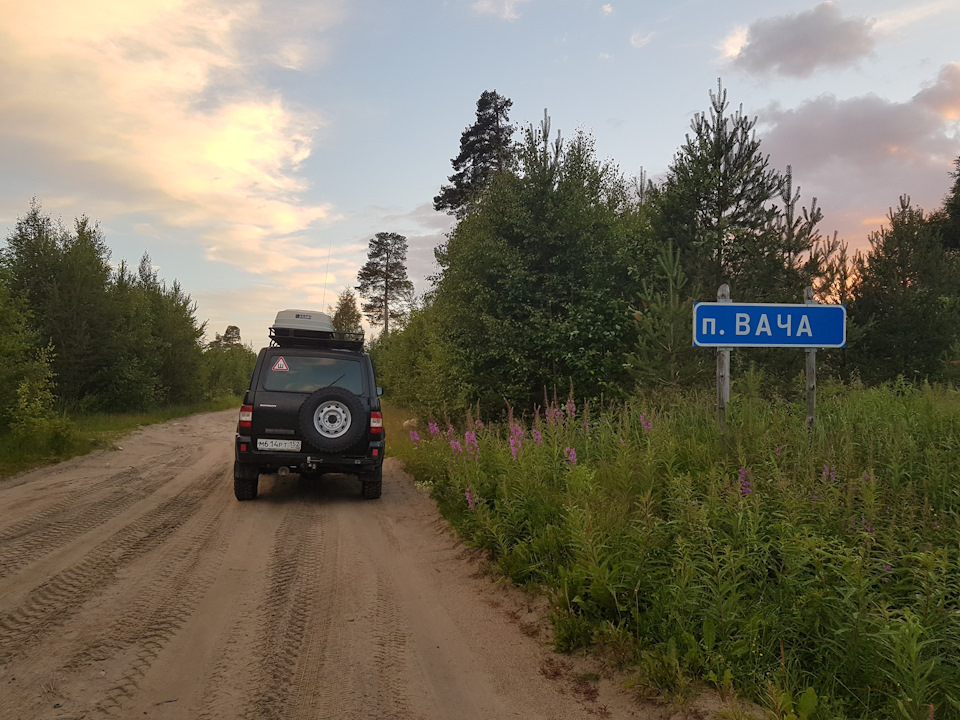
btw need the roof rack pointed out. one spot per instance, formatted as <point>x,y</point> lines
<point>296,337</point>
<point>309,328</point>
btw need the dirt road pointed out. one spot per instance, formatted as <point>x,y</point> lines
<point>133,585</point>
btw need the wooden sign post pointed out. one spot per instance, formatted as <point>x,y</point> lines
<point>725,325</point>
<point>811,370</point>
<point>723,366</point>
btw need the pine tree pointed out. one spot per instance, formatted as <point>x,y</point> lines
<point>907,299</point>
<point>717,204</point>
<point>383,281</point>
<point>946,220</point>
<point>485,149</point>
<point>346,317</point>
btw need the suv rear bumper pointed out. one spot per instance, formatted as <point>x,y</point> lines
<point>268,461</point>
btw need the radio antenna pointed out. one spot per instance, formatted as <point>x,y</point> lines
<point>326,273</point>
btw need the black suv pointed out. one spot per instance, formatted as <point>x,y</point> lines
<point>313,407</point>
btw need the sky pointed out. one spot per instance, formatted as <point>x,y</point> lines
<point>253,148</point>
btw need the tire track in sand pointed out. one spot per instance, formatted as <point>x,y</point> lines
<point>51,603</point>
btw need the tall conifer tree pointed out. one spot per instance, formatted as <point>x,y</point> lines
<point>383,281</point>
<point>485,149</point>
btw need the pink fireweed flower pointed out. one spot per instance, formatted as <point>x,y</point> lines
<point>516,440</point>
<point>456,447</point>
<point>554,414</point>
<point>537,437</point>
<point>414,438</point>
<point>779,449</point>
<point>434,429</point>
<point>470,440</point>
<point>479,424</point>
<point>746,485</point>
<point>451,433</point>
<point>647,424</point>
<point>471,499</point>
<point>571,456</point>
<point>829,473</point>
<point>571,408</point>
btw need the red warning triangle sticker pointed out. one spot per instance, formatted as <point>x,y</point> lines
<point>280,364</point>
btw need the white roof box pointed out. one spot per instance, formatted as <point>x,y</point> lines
<point>304,320</point>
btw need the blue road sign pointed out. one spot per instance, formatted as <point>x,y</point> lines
<point>769,325</point>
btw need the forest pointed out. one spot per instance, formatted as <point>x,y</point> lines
<point>560,271</point>
<point>78,335</point>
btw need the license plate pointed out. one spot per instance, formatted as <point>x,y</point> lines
<point>271,444</point>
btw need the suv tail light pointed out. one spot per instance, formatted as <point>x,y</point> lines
<point>376,423</point>
<point>246,417</point>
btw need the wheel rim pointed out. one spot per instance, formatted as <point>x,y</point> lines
<point>332,419</point>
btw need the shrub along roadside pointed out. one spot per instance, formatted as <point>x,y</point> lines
<point>791,566</point>
<point>54,438</point>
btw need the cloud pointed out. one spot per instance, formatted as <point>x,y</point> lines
<point>606,10</point>
<point>862,153</point>
<point>914,14</point>
<point>733,43</point>
<point>639,40</point>
<point>503,9</point>
<point>150,108</point>
<point>943,96</point>
<point>797,45</point>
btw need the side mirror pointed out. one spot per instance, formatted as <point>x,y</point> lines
<point>379,391</point>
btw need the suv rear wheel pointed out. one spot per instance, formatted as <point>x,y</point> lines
<point>371,484</point>
<point>245,480</point>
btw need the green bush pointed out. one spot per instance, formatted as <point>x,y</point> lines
<point>813,570</point>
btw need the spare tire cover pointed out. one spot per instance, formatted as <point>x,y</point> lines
<point>332,419</point>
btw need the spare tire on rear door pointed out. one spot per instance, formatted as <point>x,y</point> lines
<point>332,419</point>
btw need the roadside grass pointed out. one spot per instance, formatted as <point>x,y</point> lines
<point>70,436</point>
<point>394,433</point>
<point>817,573</point>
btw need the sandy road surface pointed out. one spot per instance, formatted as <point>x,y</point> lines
<point>133,585</point>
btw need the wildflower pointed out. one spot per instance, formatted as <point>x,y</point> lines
<point>479,424</point>
<point>470,439</point>
<point>623,442</point>
<point>571,456</point>
<point>779,450</point>
<point>829,473</point>
<point>434,429</point>
<point>571,408</point>
<point>414,438</point>
<point>471,499</point>
<point>451,433</point>
<point>554,414</point>
<point>537,437</point>
<point>887,569</point>
<point>516,440</point>
<point>456,447</point>
<point>746,485</point>
<point>647,424</point>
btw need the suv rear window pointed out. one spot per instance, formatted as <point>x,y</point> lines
<point>306,374</point>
